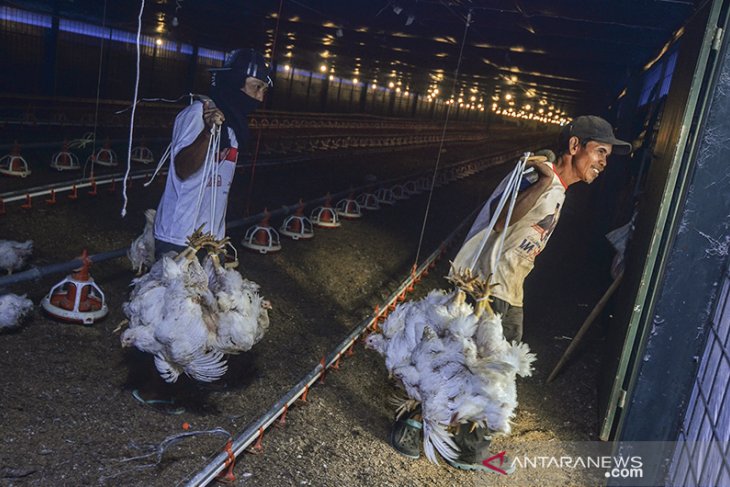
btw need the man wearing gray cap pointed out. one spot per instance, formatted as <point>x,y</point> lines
<point>584,146</point>
<point>583,149</point>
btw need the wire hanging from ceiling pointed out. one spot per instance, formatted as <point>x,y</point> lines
<point>443,136</point>
<point>98,92</point>
<point>134,109</point>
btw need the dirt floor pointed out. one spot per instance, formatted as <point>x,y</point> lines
<point>69,418</point>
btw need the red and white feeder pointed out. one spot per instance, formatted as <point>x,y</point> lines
<point>142,154</point>
<point>262,237</point>
<point>368,201</point>
<point>385,196</point>
<point>77,298</point>
<point>297,226</point>
<point>349,208</point>
<point>325,216</point>
<point>411,187</point>
<point>399,192</point>
<point>104,156</point>
<point>14,164</point>
<point>65,160</point>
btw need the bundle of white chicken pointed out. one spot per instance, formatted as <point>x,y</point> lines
<point>14,254</point>
<point>190,315</point>
<point>452,359</point>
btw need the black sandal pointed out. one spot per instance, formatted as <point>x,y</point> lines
<point>405,436</point>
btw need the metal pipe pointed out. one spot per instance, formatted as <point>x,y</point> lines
<point>38,272</point>
<point>253,431</point>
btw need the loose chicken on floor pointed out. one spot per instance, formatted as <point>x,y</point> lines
<point>13,309</point>
<point>14,254</point>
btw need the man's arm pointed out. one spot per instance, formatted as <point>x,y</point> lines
<point>192,157</point>
<point>526,199</point>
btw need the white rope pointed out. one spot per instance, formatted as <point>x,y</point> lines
<point>443,137</point>
<point>134,109</point>
<point>510,191</point>
<point>515,190</point>
<point>163,160</point>
<point>211,162</point>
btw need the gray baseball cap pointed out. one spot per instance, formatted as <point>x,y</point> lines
<point>591,127</point>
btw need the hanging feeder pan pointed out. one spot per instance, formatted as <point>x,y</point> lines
<point>297,227</point>
<point>348,208</point>
<point>368,201</point>
<point>77,298</point>
<point>143,155</point>
<point>65,161</point>
<point>261,237</point>
<point>14,165</point>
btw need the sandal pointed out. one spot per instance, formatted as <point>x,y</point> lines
<point>405,436</point>
<point>166,406</point>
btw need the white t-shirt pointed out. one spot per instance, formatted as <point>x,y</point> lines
<point>524,240</point>
<point>176,215</point>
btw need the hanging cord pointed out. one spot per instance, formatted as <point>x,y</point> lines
<point>211,160</point>
<point>134,109</point>
<point>443,136</point>
<point>510,192</point>
<point>258,137</point>
<point>168,149</point>
<point>163,160</point>
<point>98,91</point>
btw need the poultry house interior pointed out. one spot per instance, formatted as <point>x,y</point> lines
<point>281,352</point>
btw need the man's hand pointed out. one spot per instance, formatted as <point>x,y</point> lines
<point>212,116</point>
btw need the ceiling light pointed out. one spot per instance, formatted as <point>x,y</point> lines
<point>507,97</point>
<point>323,68</point>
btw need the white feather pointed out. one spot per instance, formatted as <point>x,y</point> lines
<point>13,309</point>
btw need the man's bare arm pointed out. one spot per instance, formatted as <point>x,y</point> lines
<point>192,157</point>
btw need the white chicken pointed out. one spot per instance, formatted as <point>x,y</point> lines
<point>452,358</point>
<point>13,309</point>
<point>142,251</point>
<point>170,313</point>
<point>14,254</point>
<point>242,314</point>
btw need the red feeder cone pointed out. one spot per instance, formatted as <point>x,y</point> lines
<point>262,238</point>
<point>76,299</point>
<point>297,226</point>
<point>65,160</point>
<point>325,216</point>
<point>142,154</point>
<point>14,164</point>
<point>104,156</point>
<point>349,208</point>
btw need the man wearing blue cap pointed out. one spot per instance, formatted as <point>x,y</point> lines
<point>237,89</point>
